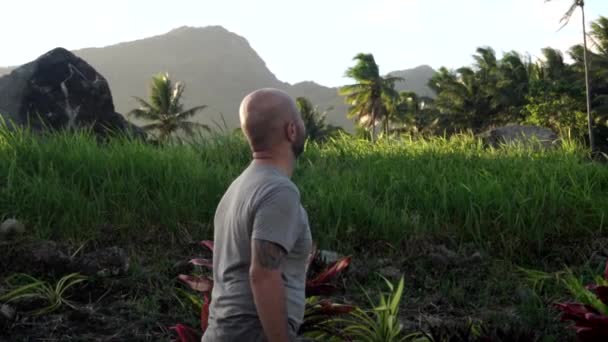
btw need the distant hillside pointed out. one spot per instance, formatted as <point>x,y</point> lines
<point>416,80</point>
<point>218,68</point>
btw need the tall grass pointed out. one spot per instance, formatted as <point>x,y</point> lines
<point>507,200</point>
<point>502,197</point>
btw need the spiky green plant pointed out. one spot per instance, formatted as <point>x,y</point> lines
<point>25,287</point>
<point>589,313</point>
<point>587,294</point>
<point>381,323</point>
<point>321,319</point>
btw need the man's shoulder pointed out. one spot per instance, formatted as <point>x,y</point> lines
<point>282,184</point>
<point>272,190</point>
<point>269,180</point>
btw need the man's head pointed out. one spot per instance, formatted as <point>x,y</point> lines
<point>272,123</point>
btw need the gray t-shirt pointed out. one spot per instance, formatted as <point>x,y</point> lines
<point>262,203</point>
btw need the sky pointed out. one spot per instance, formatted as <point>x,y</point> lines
<point>313,40</point>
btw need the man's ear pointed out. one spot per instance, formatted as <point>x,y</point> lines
<point>292,131</point>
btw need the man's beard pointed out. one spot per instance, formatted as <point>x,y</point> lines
<point>298,148</point>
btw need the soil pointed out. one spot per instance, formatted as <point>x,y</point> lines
<point>448,287</point>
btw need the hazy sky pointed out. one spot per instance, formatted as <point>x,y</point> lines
<point>303,40</point>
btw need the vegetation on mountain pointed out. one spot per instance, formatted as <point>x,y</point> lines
<point>165,109</point>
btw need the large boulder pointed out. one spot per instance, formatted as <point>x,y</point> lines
<point>60,91</point>
<point>526,135</point>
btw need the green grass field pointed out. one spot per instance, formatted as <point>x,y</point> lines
<point>517,206</point>
<point>502,199</point>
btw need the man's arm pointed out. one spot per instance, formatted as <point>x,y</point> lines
<point>268,289</point>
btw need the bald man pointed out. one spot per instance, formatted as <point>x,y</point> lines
<point>261,232</point>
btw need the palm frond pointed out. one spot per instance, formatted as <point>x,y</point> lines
<point>599,33</point>
<point>365,68</point>
<point>153,126</point>
<point>566,18</point>
<point>142,114</point>
<point>568,15</point>
<point>143,104</point>
<point>190,112</point>
<point>394,79</point>
<point>160,92</point>
<point>354,88</point>
<point>189,127</point>
<point>176,97</point>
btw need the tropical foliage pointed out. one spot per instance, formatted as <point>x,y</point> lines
<point>317,129</point>
<point>494,90</point>
<point>410,113</point>
<point>518,89</point>
<point>165,109</point>
<point>487,93</point>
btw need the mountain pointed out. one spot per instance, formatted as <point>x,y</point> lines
<point>416,80</point>
<point>218,68</point>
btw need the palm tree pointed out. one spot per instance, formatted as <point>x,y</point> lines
<point>399,107</point>
<point>455,95</point>
<point>392,106</point>
<point>314,121</point>
<point>565,20</point>
<point>476,96</point>
<point>165,109</point>
<point>553,68</point>
<point>486,75</point>
<point>465,96</point>
<point>514,80</point>
<point>599,81</point>
<point>368,97</point>
<point>406,109</point>
<point>599,40</point>
<point>599,35</point>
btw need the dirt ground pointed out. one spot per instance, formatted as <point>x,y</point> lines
<point>455,291</point>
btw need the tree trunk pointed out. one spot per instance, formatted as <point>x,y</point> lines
<point>386,122</point>
<point>587,84</point>
<point>373,123</point>
<point>386,125</point>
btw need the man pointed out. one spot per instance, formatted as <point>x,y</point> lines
<point>261,233</point>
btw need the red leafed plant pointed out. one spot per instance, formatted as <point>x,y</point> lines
<point>319,312</point>
<point>322,284</point>
<point>204,286</point>
<point>590,314</point>
<point>185,333</point>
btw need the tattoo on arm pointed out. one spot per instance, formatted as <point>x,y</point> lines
<point>268,254</point>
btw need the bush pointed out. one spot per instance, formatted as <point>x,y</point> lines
<point>562,114</point>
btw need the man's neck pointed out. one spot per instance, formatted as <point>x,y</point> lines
<point>268,158</point>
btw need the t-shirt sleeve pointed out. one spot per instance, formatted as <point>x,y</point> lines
<point>276,218</point>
